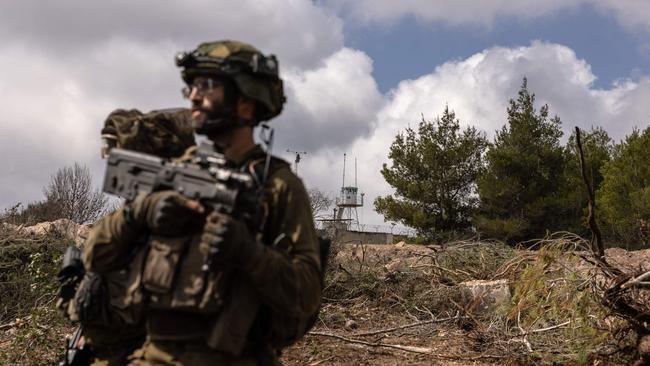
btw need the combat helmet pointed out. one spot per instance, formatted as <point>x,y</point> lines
<point>253,75</point>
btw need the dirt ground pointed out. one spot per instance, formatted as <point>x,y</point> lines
<point>349,332</point>
<point>351,321</point>
<point>386,305</point>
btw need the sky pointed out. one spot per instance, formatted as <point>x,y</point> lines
<point>356,73</point>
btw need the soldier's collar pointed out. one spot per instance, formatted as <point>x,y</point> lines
<point>254,152</point>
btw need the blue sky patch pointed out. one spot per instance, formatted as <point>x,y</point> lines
<point>410,48</point>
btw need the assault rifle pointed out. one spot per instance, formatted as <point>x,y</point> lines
<point>205,178</point>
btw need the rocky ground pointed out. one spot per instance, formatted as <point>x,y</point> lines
<point>400,330</point>
<point>367,330</point>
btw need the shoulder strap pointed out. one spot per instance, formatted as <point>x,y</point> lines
<point>257,165</point>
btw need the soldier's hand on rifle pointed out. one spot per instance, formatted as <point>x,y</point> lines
<point>165,212</point>
<point>229,241</point>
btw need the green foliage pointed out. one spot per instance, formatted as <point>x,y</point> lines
<point>433,173</point>
<point>29,267</point>
<point>550,291</point>
<point>519,191</point>
<point>29,287</point>
<point>35,212</point>
<point>597,147</point>
<point>479,261</point>
<point>407,285</point>
<point>625,193</point>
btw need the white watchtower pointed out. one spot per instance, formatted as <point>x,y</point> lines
<point>348,201</point>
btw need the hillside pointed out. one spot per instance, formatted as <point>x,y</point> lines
<point>470,303</point>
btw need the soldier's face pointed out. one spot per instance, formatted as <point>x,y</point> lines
<point>207,96</point>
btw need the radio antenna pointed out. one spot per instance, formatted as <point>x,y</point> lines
<point>298,157</point>
<point>343,170</point>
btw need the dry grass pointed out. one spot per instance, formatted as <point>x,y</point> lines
<point>387,305</point>
<point>555,314</point>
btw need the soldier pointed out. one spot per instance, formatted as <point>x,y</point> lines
<point>263,284</point>
<point>111,332</point>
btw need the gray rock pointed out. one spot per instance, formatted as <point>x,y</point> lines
<point>484,296</point>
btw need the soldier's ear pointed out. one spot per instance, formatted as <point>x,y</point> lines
<point>246,108</point>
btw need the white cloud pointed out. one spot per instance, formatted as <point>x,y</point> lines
<point>63,72</point>
<point>331,105</point>
<point>632,13</point>
<point>298,31</point>
<point>48,121</point>
<point>478,89</point>
<point>451,12</point>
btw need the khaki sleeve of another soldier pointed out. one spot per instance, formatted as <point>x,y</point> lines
<point>288,279</point>
<point>109,243</point>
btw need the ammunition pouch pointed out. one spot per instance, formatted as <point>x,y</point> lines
<point>174,280</point>
<point>111,300</point>
<point>90,300</point>
<point>108,301</point>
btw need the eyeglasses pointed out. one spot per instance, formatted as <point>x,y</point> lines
<point>202,86</point>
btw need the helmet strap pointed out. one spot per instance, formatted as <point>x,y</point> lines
<point>266,135</point>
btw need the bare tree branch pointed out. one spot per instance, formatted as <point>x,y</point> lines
<point>70,191</point>
<point>320,202</point>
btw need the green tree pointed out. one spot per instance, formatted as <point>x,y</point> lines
<point>597,147</point>
<point>433,173</point>
<point>625,193</point>
<point>519,191</point>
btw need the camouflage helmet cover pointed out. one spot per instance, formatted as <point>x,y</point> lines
<point>255,75</point>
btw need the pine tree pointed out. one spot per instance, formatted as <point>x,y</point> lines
<point>625,193</point>
<point>433,173</point>
<point>597,147</point>
<point>519,191</point>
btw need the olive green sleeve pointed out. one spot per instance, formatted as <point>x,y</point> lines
<point>109,243</point>
<point>287,277</point>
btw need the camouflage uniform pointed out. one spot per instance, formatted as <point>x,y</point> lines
<point>166,133</point>
<point>234,316</point>
<point>113,329</point>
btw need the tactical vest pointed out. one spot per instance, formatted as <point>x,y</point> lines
<point>185,303</point>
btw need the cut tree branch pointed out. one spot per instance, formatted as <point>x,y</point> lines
<point>412,349</point>
<point>637,281</point>
<point>411,325</point>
